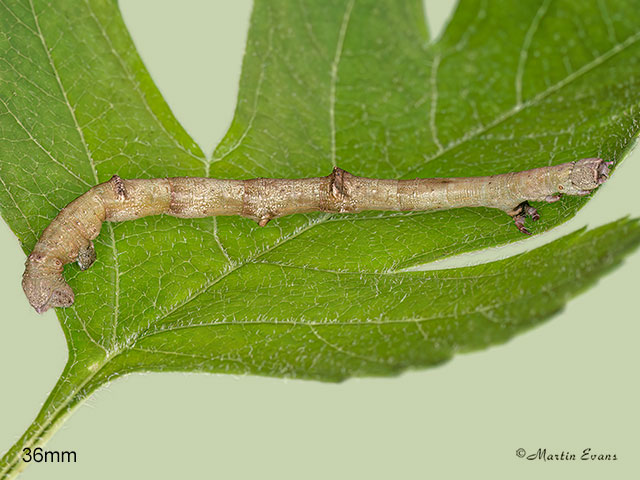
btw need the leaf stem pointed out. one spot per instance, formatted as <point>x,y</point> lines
<point>68,393</point>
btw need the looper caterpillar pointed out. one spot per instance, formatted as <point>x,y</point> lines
<point>68,238</point>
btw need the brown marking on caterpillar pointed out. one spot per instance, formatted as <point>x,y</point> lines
<point>69,236</point>
<point>175,207</point>
<point>118,186</point>
<point>337,186</point>
<point>86,256</point>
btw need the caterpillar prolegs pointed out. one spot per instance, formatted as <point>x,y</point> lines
<point>68,238</point>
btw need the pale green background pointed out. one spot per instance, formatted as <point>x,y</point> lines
<point>567,385</point>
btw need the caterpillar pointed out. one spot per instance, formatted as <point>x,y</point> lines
<point>68,238</point>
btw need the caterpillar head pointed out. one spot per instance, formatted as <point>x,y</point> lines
<point>586,175</point>
<point>44,285</point>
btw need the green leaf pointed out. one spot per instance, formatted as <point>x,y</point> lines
<point>353,83</point>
